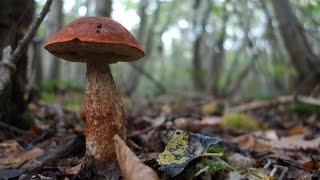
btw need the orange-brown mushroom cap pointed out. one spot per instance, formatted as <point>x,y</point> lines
<point>95,38</point>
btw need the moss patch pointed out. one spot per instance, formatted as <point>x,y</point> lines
<point>239,121</point>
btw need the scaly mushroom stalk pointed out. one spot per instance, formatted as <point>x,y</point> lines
<point>105,114</point>
<point>105,117</point>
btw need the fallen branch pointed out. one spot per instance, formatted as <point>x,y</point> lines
<point>8,65</point>
<point>274,102</point>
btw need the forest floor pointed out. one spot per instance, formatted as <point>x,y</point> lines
<point>188,139</point>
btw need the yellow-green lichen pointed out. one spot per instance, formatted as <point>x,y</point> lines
<point>175,151</point>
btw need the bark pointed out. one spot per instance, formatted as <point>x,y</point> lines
<point>197,75</point>
<point>37,58</point>
<point>54,22</point>
<point>275,45</point>
<point>15,17</point>
<point>133,78</point>
<point>218,56</point>
<point>303,59</point>
<point>105,117</point>
<point>103,8</point>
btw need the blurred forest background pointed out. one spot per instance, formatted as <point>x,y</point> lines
<point>226,49</point>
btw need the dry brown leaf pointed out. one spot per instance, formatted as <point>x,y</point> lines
<point>75,169</point>
<point>252,143</point>
<point>295,142</point>
<point>287,143</point>
<point>296,130</point>
<point>310,165</point>
<point>9,147</point>
<point>16,160</point>
<point>131,166</point>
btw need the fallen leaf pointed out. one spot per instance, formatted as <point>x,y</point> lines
<point>131,166</point>
<point>16,160</point>
<point>287,143</point>
<point>9,147</point>
<point>250,142</point>
<point>310,165</point>
<point>183,148</point>
<point>296,130</point>
<point>295,142</point>
<point>75,169</point>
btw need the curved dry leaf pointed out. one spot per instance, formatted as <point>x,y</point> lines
<point>252,143</point>
<point>75,169</point>
<point>20,158</point>
<point>9,147</point>
<point>131,166</point>
<point>287,143</point>
<point>295,142</point>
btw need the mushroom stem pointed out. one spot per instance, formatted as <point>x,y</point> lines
<point>105,115</point>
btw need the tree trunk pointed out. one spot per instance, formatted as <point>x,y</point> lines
<point>218,56</point>
<point>103,8</point>
<point>15,17</point>
<point>54,22</point>
<point>133,77</point>
<point>303,59</point>
<point>197,71</point>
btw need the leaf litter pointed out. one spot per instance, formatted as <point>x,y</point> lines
<point>182,140</point>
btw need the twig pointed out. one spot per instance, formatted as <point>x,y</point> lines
<point>273,102</point>
<point>154,128</point>
<point>30,33</point>
<point>7,72</point>
<point>11,128</point>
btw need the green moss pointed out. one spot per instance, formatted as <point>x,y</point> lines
<point>212,165</point>
<point>217,149</point>
<point>302,109</point>
<point>239,121</point>
<point>175,150</point>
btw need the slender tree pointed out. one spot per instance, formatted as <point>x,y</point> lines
<point>199,32</point>
<point>54,22</point>
<point>218,55</point>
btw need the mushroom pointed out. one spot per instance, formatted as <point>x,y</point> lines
<point>98,41</point>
